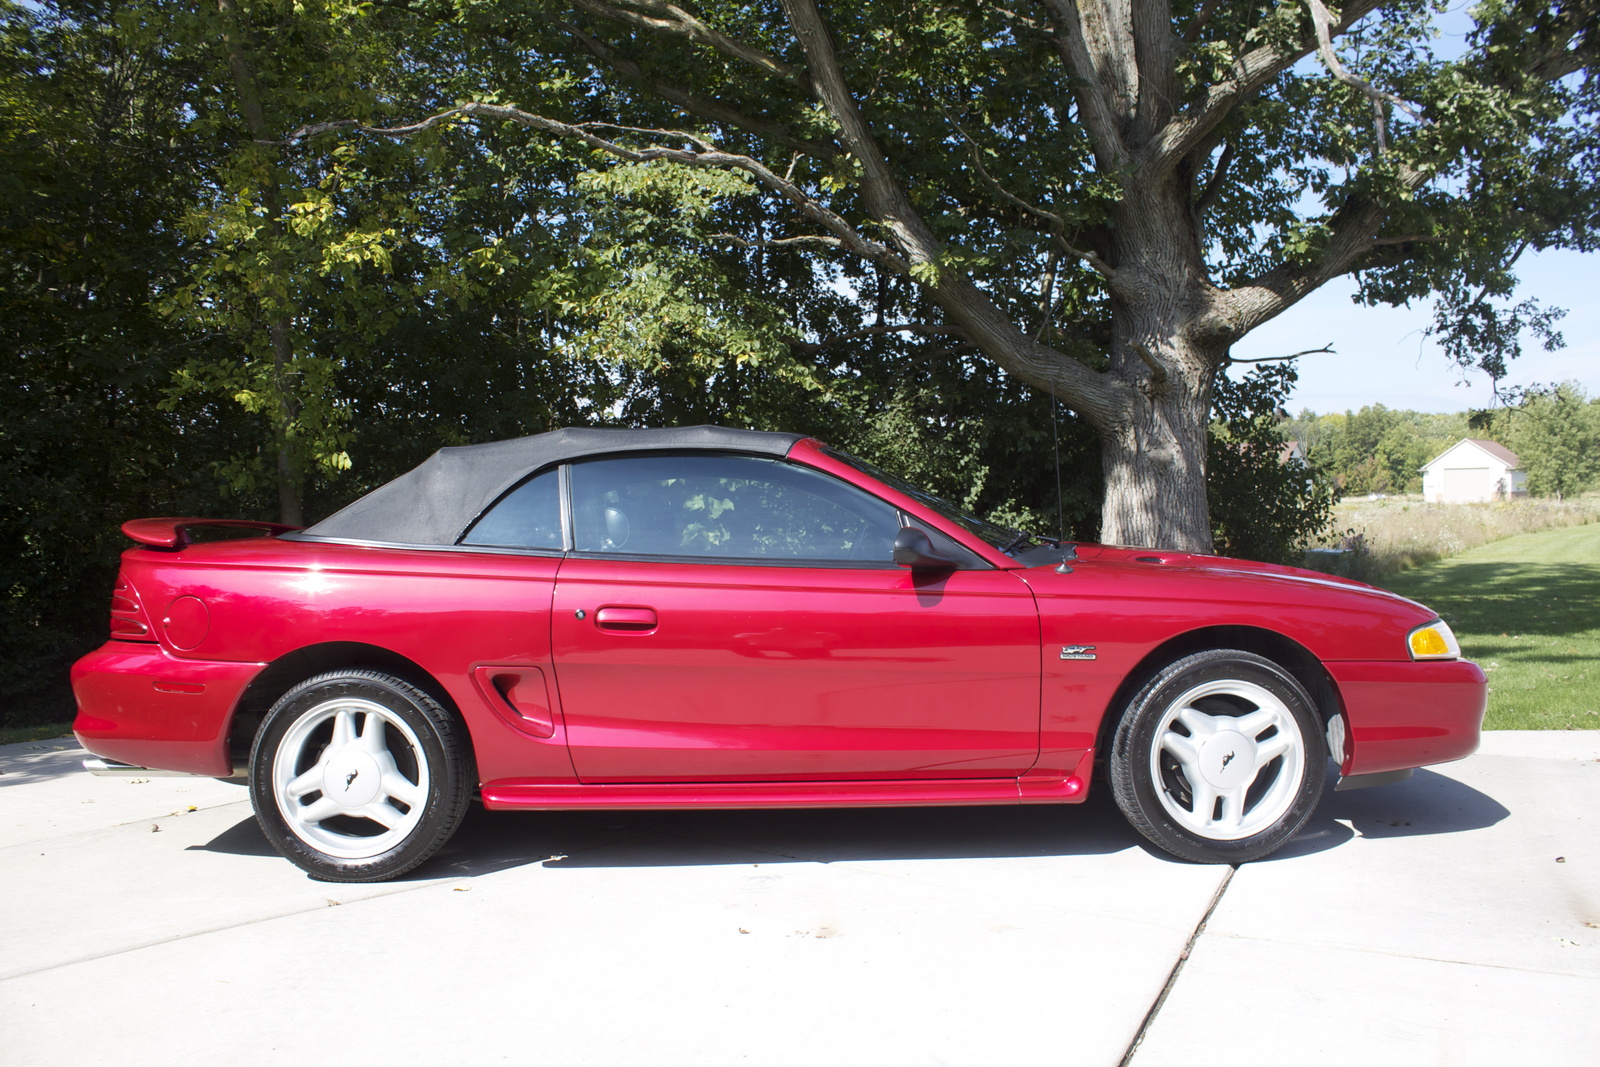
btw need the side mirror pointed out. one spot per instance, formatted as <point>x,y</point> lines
<point>913,549</point>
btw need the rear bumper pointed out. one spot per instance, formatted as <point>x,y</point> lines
<point>1401,715</point>
<point>139,705</point>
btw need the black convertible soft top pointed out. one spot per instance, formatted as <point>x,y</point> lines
<point>434,503</point>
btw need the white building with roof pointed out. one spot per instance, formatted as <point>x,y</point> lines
<point>1473,471</point>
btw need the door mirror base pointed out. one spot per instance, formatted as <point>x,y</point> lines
<point>912,548</point>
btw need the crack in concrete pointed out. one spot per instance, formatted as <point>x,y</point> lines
<point>1177,969</point>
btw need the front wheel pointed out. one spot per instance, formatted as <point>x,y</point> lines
<point>358,776</point>
<point>1219,758</point>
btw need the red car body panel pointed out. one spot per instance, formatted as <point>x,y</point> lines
<point>934,792</point>
<point>698,684</point>
<point>1410,714</point>
<point>139,704</point>
<point>447,612</point>
<point>784,674</point>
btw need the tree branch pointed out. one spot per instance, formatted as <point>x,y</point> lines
<point>779,242</point>
<point>1213,189</point>
<point>881,193</point>
<point>1100,398</point>
<point>1251,72</point>
<point>705,154</point>
<point>1511,261</point>
<point>670,19</point>
<point>1354,235</point>
<point>1047,295</point>
<point>1408,239</point>
<point>873,331</point>
<point>1155,58</point>
<point>1018,18</point>
<point>1321,22</point>
<point>703,106</point>
<point>1192,34</point>
<point>1058,225</point>
<point>1158,372</point>
<point>1325,349</point>
<point>1550,40</point>
<point>1097,100</point>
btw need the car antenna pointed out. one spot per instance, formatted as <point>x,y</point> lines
<point>1061,507</point>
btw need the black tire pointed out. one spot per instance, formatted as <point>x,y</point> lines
<point>358,776</point>
<point>1219,758</point>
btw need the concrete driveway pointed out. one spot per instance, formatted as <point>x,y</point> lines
<point>1453,918</point>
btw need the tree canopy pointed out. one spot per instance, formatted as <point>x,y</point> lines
<point>1101,196</point>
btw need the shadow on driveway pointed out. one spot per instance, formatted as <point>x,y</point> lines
<point>1427,803</point>
<point>489,841</point>
<point>39,761</point>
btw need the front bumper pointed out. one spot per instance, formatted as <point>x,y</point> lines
<point>140,705</point>
<point>1403,714</point>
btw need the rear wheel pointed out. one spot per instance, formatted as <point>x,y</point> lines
<point>1219,758</point>
<point>358,776</point>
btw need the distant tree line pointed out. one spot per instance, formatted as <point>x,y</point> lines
<point>1555,432</point>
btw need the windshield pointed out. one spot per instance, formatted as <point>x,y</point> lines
<point>996,536</point>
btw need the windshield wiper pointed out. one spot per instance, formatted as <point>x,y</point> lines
<point>1022,538</point>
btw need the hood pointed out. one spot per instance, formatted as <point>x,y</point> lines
<point>1211,575</point>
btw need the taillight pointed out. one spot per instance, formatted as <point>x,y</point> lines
<point>128,622</point>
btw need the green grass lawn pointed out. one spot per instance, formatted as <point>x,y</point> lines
<point>1527,609</point>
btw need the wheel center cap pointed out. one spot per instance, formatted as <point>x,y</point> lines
<point>1228,759</point>
<point>350,779</point>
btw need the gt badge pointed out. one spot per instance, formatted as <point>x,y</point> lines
<point>1077,652</point>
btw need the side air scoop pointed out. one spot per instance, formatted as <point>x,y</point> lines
<point>174,533</point>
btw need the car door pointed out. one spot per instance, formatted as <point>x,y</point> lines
<point>735,618</point>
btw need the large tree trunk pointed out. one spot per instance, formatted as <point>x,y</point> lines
<point>1154,455</point>
<point>1154,464</point>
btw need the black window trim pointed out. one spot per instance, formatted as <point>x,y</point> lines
<point>970,561</point>
<point>561,502</point>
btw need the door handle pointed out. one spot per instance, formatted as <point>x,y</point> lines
<point>632,620</point>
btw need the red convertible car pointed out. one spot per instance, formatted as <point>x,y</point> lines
<point>707,617</point>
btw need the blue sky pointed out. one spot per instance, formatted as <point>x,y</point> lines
<point>1382,356</point>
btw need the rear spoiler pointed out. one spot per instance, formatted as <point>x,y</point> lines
<point>174,533</point>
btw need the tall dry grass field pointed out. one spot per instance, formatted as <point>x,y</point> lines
<point>1382,537</point>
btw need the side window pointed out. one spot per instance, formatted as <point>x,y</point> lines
<point>727,507</point>
<point>527,517</point>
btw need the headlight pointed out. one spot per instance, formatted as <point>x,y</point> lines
<point>1433,641</point>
